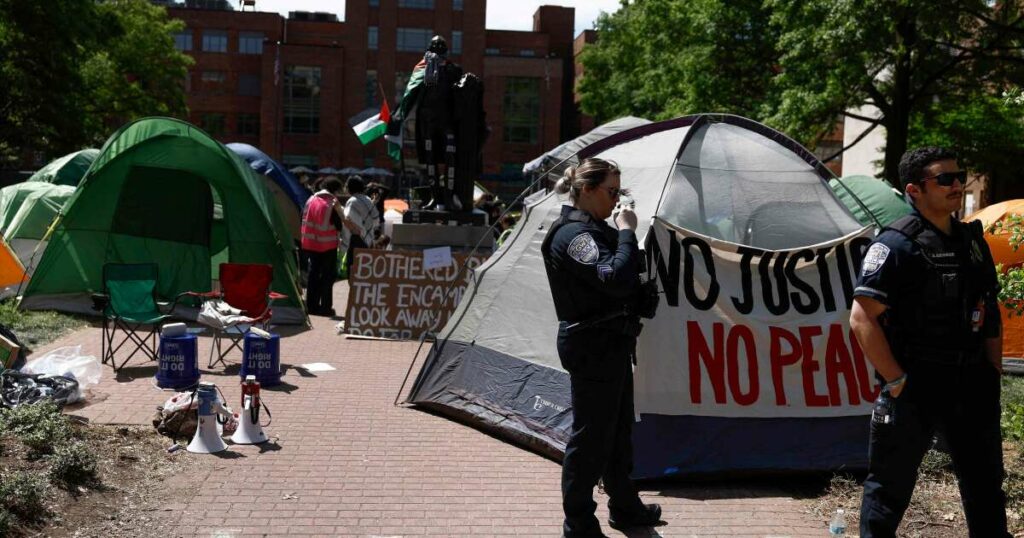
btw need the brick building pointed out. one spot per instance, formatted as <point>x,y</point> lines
<point>290,85</point>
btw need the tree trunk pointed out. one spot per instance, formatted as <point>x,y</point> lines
<point>897,129</point>
<point>897,120</point>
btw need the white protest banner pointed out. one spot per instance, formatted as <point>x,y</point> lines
<point>746,332</point>
<point>392,294</point>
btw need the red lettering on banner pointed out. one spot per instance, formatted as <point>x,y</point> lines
<point>779,360</point>
<point>808,366</point>
<point>737,333</point>
<point>838,362</point>
<point>699,352</point>
<point>869,389</point>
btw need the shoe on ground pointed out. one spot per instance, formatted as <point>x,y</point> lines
<point>648,517</point>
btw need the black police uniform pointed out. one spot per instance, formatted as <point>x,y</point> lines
<point>593,270</point>
<point>932,284</point>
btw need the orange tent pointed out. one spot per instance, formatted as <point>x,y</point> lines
<point>1002,252</point>
<point>397,204</point>
<point>12,274</point>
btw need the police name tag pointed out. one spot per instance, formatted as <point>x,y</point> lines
<point>874,258</point>
<point>583,249</point>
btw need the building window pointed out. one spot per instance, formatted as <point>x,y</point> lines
<point>527,52</point>
<point>457,5</point>
<point>490,51</point>
<point>416,4</point>
<point>183,40</point>
<point>215,41</point>
<point>291,161</point>
<point>511,171</point>
<point>522,110</point>
<point>250,43</point>
<point>213,76</point>
<point>371,89</point>
<point>213,124</point>
<point>401,80</point>
<point>414,39</point>
<point>249,84</point>
<point>456,42</point>
<point>302,99</point>
<point>248,125</point>
<point>372,36</point>
<point>374,3</point>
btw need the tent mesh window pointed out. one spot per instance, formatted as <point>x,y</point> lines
<point>737,185</point>
<point>182,212</point>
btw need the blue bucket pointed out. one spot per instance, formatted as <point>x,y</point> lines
<point>261,357</point>
<point>179,365</point>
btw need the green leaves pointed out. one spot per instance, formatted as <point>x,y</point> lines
<point>935,69</point>
<point>74,70</point>
<point>664,58</point>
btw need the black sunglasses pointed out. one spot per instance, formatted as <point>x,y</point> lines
<point>946,179</point>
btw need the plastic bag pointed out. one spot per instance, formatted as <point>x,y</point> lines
<point>70,363</point>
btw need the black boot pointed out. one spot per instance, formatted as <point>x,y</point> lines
<point>649,516</point>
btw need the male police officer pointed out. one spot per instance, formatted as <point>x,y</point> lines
<point>925,313</point>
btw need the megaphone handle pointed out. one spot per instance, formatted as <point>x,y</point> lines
<point>267,409</point>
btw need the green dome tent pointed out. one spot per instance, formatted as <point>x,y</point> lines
<point>27,211</point>
<point>150,198</point>
<point>67,170</point>
<point>875,195</point>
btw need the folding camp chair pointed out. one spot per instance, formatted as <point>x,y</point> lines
<point>129,303</point>
<point>245,286</point>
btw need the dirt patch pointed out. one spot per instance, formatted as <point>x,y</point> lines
<point>138,492</point>
<point>935,510</point>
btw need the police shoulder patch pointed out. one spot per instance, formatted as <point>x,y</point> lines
<point>583,249</point>
<point>874,258</point>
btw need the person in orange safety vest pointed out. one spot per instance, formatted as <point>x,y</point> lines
<point>322,220</point>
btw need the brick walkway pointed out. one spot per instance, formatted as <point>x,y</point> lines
<point>346,462</point>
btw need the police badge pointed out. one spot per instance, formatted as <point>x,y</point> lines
<point>583,249</point>
<point>874,259</point>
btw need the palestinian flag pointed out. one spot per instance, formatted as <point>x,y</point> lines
<point>374,126</point>
<point>409,98</point>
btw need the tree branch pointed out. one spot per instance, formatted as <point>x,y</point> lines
<point>854,143</point>
<point>877,97</point>
<point>861,118</point>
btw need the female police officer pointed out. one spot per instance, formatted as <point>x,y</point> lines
<point>593,271</point>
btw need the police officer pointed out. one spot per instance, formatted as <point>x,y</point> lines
<point>925,313</point>
<point>593,271</point>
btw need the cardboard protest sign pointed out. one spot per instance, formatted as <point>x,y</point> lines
<point>752,332</point>
<point>393,295</point>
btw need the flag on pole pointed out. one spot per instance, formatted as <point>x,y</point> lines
<point>373,127</point>
<point>409,100</point>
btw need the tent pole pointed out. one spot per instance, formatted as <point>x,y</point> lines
<point>423,339</point>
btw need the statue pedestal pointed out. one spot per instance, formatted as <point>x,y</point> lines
<point>461,238</point>
<point>423,216</point>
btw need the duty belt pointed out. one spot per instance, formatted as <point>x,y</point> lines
<point>931,355</point>
<point>623,322</point>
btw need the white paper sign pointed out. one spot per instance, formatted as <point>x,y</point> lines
<point>437,257</point>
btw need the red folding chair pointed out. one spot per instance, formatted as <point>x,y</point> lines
<point>245,286</point>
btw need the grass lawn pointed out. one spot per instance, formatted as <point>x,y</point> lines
<point>38,328</point>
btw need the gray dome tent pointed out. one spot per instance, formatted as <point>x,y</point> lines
<point>726,178</point>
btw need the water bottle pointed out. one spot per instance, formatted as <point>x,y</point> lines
<point>837,527</point>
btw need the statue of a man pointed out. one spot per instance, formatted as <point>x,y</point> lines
<point>431,93</point>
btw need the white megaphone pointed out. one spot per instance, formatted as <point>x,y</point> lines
<point>249,431</point>
<point>207,439</point>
